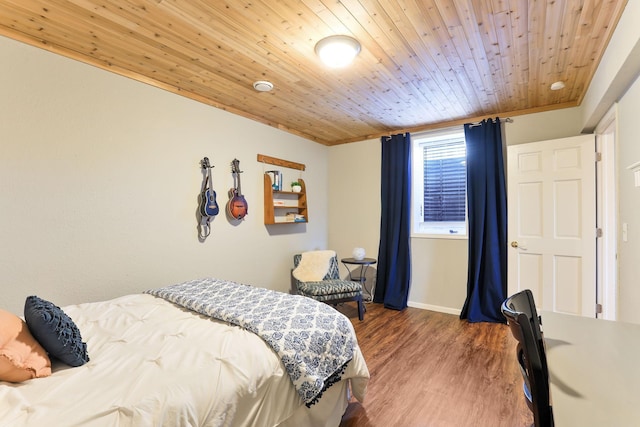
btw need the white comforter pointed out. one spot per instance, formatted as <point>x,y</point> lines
<point>155,364</point>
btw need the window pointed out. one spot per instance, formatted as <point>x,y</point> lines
<point>440,184</point>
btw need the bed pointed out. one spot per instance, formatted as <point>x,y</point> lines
<point>202,353</point>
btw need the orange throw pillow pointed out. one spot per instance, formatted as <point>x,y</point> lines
<point>21,356</point>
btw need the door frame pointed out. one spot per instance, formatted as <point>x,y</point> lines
<point>607,215</point>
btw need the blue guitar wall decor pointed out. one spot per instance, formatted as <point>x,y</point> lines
<point>208,203</point>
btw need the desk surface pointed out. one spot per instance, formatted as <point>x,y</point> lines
<point>594,370</point>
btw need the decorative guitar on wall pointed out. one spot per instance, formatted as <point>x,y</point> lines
<point>208,204</point>
<point>237,207</point>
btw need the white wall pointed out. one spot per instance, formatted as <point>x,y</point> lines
<point>616,80</point>
<point>618,68</point>
<point>439,266</point>
<point>544,126</point>
<point>100,176</point>
<point>629,206</point>
<point>354,201</point>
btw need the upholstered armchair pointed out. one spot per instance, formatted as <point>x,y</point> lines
<point>316,275</point>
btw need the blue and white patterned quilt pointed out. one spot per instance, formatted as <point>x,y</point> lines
<point>314,341</point>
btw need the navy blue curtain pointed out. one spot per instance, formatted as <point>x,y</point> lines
<point>394,258</point>
<point>487,213</point>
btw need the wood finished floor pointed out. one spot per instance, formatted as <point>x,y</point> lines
<point>432,369</point>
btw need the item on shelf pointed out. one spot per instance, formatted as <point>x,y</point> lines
<point>295,217</point>
<point>276,179</point>
<point>296,187</point>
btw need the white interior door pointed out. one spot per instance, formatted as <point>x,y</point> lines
<point>552,223</point>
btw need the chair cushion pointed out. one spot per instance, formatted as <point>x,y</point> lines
<point>333,288</point>
<point>334,297</point>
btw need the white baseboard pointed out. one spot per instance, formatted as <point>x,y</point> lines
<point>437,308</point>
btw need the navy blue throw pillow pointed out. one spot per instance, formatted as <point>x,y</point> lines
<point>55,331</point>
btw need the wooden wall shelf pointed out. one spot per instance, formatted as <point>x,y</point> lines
<point>277,204</point>
<point>284,207</point>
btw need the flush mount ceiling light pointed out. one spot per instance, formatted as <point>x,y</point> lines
<point>262,86</point>
<point>337,51</point>
<point>557,85</point>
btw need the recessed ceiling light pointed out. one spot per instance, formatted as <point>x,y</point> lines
<point>337,51</point>
<point>263,86</point>
<point>557,85</point>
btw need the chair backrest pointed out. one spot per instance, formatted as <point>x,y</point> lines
<point>333,273</point>
<point>523,302</point>
<point>520,312</point>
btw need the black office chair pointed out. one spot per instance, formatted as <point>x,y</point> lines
<point>523,302</point>
<point>522,317</point>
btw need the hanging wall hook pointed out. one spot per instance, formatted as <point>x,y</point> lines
<point>205,163</point>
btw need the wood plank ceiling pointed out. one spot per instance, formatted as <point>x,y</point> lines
<point>424,63</point>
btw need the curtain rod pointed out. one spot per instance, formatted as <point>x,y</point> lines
<point>474,124</point>
<point>507,120</point>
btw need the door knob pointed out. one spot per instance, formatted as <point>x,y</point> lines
<point>514,244</point>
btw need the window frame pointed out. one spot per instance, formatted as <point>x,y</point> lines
<point>418,140</point>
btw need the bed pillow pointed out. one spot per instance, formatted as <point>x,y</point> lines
<point>21,357</point>
<point>55,331</point>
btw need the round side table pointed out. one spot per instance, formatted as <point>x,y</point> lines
<point>363,264</point>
